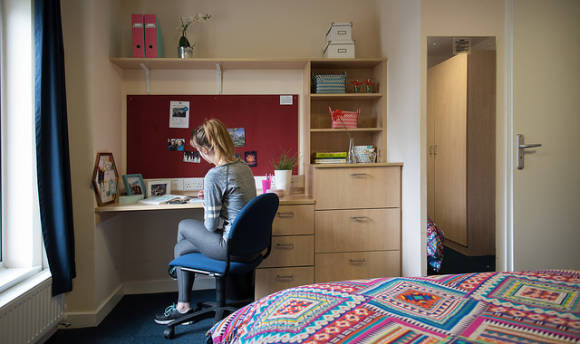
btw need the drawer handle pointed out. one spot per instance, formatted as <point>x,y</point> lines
<point>356,175</point>
<point>360,218</point>
<point>285,246</point>
<point>357,261</point>
<point>285,215</point>
<point>284,277</point>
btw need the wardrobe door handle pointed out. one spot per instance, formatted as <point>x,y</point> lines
<point>284,278</point>
<point>288,246</point>
<point>286,215</point>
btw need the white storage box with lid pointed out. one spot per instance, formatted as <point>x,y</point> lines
<point>339,32</point>
<point>339,49</point>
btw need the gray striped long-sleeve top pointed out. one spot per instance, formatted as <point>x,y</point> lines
<point>227,188</point>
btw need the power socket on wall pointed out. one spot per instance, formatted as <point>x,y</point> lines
<point>192,184</point>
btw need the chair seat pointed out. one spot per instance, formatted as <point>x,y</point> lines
<point>199,262</point>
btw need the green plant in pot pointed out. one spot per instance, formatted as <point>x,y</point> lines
<point>283,171</point>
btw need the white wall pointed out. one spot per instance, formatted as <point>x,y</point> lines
<point>400,23</point>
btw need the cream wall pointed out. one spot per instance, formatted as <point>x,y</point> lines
<point>128,253</point>
<point>469,18</point>
<point>400,23</point>
<point>94,103</point>
<point>257,28</point>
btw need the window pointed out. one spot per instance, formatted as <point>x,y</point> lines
<point>21,239</point>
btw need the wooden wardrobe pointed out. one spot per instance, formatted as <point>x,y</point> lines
<point>461,151</point>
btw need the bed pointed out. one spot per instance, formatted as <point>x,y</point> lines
<point>530,307</point>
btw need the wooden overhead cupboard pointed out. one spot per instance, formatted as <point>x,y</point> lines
<point>461,151</point>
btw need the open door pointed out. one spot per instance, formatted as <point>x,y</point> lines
<point>546,111</point>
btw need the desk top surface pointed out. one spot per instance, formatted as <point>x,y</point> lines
<point>115,207</point>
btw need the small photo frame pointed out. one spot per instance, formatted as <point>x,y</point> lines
<point>105,179</point>
<point>134,184</point>
<point>158,187</point>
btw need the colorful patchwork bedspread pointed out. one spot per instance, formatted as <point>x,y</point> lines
<point>518,307</point>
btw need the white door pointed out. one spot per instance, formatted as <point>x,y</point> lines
<point>546,105</point>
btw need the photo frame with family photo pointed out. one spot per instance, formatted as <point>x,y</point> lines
<point>134,184</point>
<point>158,187</point>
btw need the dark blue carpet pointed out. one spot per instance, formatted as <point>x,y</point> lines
<point>457,263</point>
<point>131,322</point>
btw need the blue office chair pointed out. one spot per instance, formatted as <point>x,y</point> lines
<point>249,243</point>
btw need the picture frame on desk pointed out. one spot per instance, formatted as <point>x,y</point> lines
<point>105,179</point>
<point>134,184</point>
<point>158,187</point>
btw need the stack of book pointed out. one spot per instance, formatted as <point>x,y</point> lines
<point>330,158</point>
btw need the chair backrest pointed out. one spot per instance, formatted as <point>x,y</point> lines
<point>251,231</point>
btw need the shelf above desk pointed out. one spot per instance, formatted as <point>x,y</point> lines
<point>207,63</point>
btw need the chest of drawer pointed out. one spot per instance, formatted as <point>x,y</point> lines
<point>358,230</point>
<point>293,250</point>
<point>272,280</point>
<point>357,265</point>
<point>294,219</point>
<point>357,187</point>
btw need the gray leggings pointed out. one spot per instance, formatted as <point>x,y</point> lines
<point>192,236</point>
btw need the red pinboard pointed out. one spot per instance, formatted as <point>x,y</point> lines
<point>270,129</point>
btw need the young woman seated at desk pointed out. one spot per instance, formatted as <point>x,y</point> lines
<point>227,188</point>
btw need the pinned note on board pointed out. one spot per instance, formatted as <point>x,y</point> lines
<point>285,100</point>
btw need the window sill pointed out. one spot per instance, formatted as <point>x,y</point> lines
<point>23,286</point>
<point>10,277</point>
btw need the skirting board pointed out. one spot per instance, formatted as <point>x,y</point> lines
<point>93,319</point>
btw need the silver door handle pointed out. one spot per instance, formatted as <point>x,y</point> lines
<point>531,145</point>
<point>521,147</point>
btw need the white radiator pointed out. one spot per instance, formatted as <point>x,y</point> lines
<point>32,316</point>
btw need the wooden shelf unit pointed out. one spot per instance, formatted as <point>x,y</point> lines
<point>372,121</point>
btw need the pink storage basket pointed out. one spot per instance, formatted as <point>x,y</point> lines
<point>344,119</point>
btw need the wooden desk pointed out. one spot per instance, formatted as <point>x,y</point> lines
<point>290,200</point>
<point>152,228</point>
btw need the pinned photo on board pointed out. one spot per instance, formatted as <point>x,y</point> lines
<point>238,156</point>
<point>176,144</point>
<point>194,157</point>
<point>238,136</point>
<point>178,114</point>
<point>251,158</point>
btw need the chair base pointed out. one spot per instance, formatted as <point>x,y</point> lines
<point>203,310</point>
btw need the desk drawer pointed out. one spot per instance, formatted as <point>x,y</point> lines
<point>357,187</point>
<point>357,265</point>
<point>293,250</point>
<point>272,280</point>
<point>294,219</point>
<point>358,230</point>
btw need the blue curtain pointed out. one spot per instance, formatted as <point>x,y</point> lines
<point>52,149</point>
